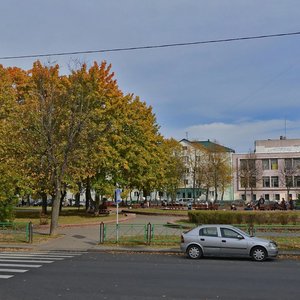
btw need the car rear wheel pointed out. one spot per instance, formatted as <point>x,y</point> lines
<point>259,254</point>
<point>194,252</point>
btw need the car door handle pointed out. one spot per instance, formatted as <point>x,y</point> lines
<point>223,241</point>
<point>202,239</point>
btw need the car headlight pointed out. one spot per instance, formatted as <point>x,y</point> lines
<point>272,245</point>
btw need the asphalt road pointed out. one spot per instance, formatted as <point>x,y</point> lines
<point>155,276</point>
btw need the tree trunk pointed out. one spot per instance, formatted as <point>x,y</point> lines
<point>55,208</point>
<point>44,203</point>
<point>88,196</point>
<point>63,196</point>
<point>97,203</point>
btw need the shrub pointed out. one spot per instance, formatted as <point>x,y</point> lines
<point>7,210</point>
<point>243,217</point>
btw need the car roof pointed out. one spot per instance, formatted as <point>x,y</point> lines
<point>216,225</point>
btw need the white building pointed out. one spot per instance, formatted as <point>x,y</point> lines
<point>277,170</point>
<point>192,151</point>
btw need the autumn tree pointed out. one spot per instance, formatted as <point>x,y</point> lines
<point>249,173</point>
<point>218,169</point>
<point>11,181</point>
<point>196,164</point>
<point>55,116</point>
<point>174,167</point>
<point>287,173</point>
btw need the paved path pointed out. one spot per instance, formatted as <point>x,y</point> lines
<point>84,238</point>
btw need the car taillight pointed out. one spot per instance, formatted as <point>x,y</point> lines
<point>182,239</point>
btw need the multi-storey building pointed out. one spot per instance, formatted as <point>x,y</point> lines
<point>271,171</point>
<point>193,154</point>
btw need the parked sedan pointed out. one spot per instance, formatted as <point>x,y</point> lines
<point>225,240</point>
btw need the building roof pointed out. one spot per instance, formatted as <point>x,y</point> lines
<point>209,145</point>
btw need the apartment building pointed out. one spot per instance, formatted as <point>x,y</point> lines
<point>271,171</point>
<point>193,153</point>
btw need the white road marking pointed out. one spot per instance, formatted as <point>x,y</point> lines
<point>29,257</point>
<point>6,276</point>
<point>20,265</point>
<point>14,262</point>
<point>13,270</point>
<point>28,261</point>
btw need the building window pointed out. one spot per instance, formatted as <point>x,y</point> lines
<point>297,181</point>
<point>266,181</point>
<point>187,171</point>
<point>267,197</point>
<point>288,163</point>
<point>243,163</point>
<point>243,182</point>
<point>253,182</point>
<point>296,163</point>
<point>277,197</point>
<point>289,181</point>
<point>254,197</point>
<point>265,164</point>
<point>274,181</point>
<point>184,147</point>
<point>186,182</point>
<point>274,164</point>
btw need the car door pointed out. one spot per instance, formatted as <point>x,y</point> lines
<point>232,243</point>
<point>209,240</point>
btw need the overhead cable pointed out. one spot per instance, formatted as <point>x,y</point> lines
<point>152,46</point>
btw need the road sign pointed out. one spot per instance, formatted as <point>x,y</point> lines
<point>118,198</point>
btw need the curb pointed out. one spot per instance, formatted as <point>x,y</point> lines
<point>117,249</point>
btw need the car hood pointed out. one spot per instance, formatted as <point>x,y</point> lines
<point>258,240</point>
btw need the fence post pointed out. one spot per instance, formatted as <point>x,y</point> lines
<point>149,233</point>
<point>101,233</point>
<point>30,231</point>
<point>251,230</point>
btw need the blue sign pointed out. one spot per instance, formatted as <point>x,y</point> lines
<point>118,198</point>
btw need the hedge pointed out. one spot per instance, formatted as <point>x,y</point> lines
<point>244,217</point>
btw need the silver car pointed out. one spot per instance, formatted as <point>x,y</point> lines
<point>225,240</point>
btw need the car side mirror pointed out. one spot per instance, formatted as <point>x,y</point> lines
<point>240,237</point>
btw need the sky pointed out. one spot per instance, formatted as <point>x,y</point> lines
<point>232,93</point>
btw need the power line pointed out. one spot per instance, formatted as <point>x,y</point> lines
<point>153,46</point>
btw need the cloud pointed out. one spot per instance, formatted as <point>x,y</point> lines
<point>238,136</point>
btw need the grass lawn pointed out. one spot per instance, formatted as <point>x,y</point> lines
<point>67,216</point>
<point>158,211</point>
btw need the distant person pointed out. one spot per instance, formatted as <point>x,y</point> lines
<point>261,200</point>
<point>283,204</point>
<point>291,204</point>
<point>233,207</point>
<point>248,207</point>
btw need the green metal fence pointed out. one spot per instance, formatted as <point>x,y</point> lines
<point>165,234</point>
<point>140,233</point>
<point>15,232</point>
<point>125,233</point>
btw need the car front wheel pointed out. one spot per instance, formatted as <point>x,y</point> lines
<point>194,252</point>
<point>258,254</point>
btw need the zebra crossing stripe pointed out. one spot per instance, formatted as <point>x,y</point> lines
<point>6,276</point>
<point>54,254</point>
<point>13,270</point>
<point>38,255</point>
<point>28,261</point>
<point>29,257</point>
<point>20,265</point>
